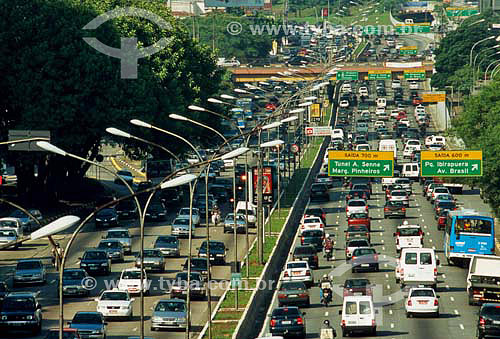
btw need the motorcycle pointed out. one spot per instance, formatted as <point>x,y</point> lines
<point>327,297</point>
<point>328,254</point>
<point>215,218</point>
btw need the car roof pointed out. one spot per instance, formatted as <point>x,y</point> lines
<point>173,299</point>
<point>118,229</point>
<point>30,260</point>
<point>23,294</point>
<point>357,298</point>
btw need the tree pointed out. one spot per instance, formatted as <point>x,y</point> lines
<point>51,79</point>
<point>454,51</point>
<point>479,126</point>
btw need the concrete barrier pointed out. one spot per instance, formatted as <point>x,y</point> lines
<point>255,314</point>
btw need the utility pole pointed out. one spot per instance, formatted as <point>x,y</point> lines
<point>260,218</point>
<point>285,21</point>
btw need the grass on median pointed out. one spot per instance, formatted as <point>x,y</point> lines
<point>255,269</point>
<point>222,330</point>
<point>243,298</point>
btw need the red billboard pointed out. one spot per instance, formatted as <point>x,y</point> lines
<point>267,184</point>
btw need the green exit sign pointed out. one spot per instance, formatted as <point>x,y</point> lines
<point>410,29</point>
<point>347,75</point>
<point>451,163</point>
<point>407,52</point>
<point>462,12</point>
<point>414,75</point>
<point>360,164</point>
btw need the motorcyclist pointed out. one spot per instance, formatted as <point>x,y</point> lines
<point>328,246</point>
<point>327,331</point>
<point>325,287</point>
<point>57,254</point>
<point>215,215</point>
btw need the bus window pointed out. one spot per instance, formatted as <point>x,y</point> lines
<point>473,226</point>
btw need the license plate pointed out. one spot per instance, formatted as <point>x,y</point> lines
<point>113,311</point>
<point>293,296</point>
<point>351,322</point>
<point>93,267</point>
<point>286,322</point>
<point>297,273</point>
<point>105,224</point>
<point>423,302</point>
<point>358,293</point>
<point>365,265</point>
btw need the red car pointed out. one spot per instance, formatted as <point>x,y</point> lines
<point>417,101</point>
<point>401,115</point>
<point>441,221</point>
<point>270,107</point>
<point>356,194</point>
<point>359,219</point>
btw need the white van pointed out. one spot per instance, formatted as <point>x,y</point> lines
<point>418,266</point>
<point>250,208</point>
<point>346,88</point>
<point>337,133</point>
<point>388,145</point>
<point>381,102</point>
<point>358,315</point>
<point>411,170</point>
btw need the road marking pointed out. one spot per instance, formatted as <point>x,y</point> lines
<point>444,276</point>
<point>452,299</point>
<point>425,226</point>
<point>428,233</point>
<point>388,287</point>
<point>387,275</point>
<point>421,215</point>
<point>430,240</point>
<point>447,287</point>
<point>53,281</point>
<point>390,298</point>
<point>326,314</point>
<point>390,311</point>
<point>135,328</point>
<point>383,248</point>
<point>423,220</point>
<point>392,325</point>
<point>433,247</point>
<point>455,311</point>
<point>461,326</point>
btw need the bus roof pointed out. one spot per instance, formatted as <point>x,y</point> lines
<point>463,212</point>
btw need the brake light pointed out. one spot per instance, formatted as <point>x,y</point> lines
<point>482,321</point>
<point>375,257</point>
<point>281,295</point>
<point>373,322</point>
<point>303,226</point>
<point>345,293</point>
<point>366,208</point>
<point>286,274</point>
<point>346,209</point>
<point>353,258</point>
<point>386,209</point>
<point>308,273</point>
<point>403,209</point>
<point>303,295</point>
<point>315,258</point>
<point>409,302</point>
<point>302,240</point>
<point>401,271</point>
<point>300,321</point>
<point>273,322</point>
<point>436,303</point>
<point>343,323</point>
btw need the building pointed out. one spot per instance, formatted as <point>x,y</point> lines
<point>485,5</point>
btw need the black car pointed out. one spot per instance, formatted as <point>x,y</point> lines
<point>96,261</point>
<point>488,323</point>
<point>288,321</point>
<point>21,310</point>
<point>313,237</point>
<point>220,192</point>
<point>156,212</point>
<point>307,253</point>
<point>319,192</point>
<point>106,218</point>
<point>197,265</point>
<point>73,282</point>
<point>364,259</point>
<point>126,209</point>
<point>4,290</point>
<point>172,196</point>
<point>317,212</point>
<point>197,284</point>
<point>293,293</point>
<point>217,250</point>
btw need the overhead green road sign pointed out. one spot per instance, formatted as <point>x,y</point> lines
<point>414,74</point>
<point>347,75</point>
<point>408,50</point>
<point>451,163</point>
<point>410,29</point>
<point>461,11</point>
<point>360,164</point>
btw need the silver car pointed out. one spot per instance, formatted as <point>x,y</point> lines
<point>8,235</point>
<point>153,260</point>
<point>180,227</point>
<point>168,314</point>
<point>114,249</point>
<point>123,236</point>
<point>29,271</point>
<point>195,214</point>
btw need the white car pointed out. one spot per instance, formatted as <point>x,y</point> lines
<point>195,214</point>
<point>346,88</point>
<point>409,236</point>
<point>311,223</point>
<point>435,139</point>
<point>298,270</point>
<point>344,103</point>
<point>396,84</point>
<point>379,123</point>
<point>354,243</point>
<point>12,223</point>
<point>363,91</point>
<point>115,304</point>
<point>437,191</point>
<point>413,85</point>
<point>381,102</point>
<point>422,300</point>
<point>408,151</point>
<point>130,281</point>
<point>400,195</point>
<point>356,206</point>
<point>363,147</point>
<point>405,121</point>
<point>397,271</point>
<point>394,113</point>
<point>435,147</point>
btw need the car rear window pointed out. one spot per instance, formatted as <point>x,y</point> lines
<point>358,243</point>
<point>295,285</point>
<point>398,194</point>
<point>296,265</point>
<point>411,258</point>
<point>356,203</point>
<point>363,251</point>
<point>365,307</point>
<point>304,250</point>
<point>409,232</point>
<point>312,220</point>
<point>422,293</point>
<point>357,283</point>
<point>281,312</point>
<point>312,234</point>
<point>491,312</point>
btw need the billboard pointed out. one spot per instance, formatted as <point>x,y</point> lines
<point>234,3</point>
<point>267,184</point>
<point>318,131</point>
<point>315,112</point>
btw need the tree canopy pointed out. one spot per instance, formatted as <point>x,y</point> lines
<point>53,80</point>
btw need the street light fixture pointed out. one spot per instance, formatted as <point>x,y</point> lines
<point>297,110</point>
<point>477,43</point>
<point>228,97</point>
<point>241,91</point>
<point>311,98</point>
<point>55,227</point>
<point>305,104</point>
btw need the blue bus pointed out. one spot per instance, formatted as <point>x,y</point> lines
<point>468,232</point>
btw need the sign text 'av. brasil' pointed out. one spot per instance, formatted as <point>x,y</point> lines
<point>360,163</point>
<point>451,163</point>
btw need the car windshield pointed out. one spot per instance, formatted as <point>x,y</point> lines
<point>109,244</point>
<point>446,204</point>
<point>214,246</point>
<point>395,203</point>
<point>73,275</point>
<point>166,240</point>
<point>8,223</point>
<point>199,263</point>
<point>491,312</point>
<point>152,254</point>
<point>87,318</point>
<point>312,233</point>
<point>353,283</point>
<point>304,250</point>
<point>409,232</point>
<point>363,251</point>
<point>7,233</point>
<point>281,312</point>
<point>286,286</point>
<point>131,275</point>
<point>296,265</point>
<point>358,243</point>
<point>95,255</point>
<point>181,221</point>
<point>185,211</point>
<point>18,304</point>
<point>230,217</point>
<point>106,213</point>
<point>356,203</point>
<point>318,188</point>
<point>29,265</point>
<point>114,296</point>
<point>422,293</point>
<point>170,306</point>
<point>117,234</point>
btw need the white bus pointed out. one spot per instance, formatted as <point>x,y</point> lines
<point>388,146</point>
